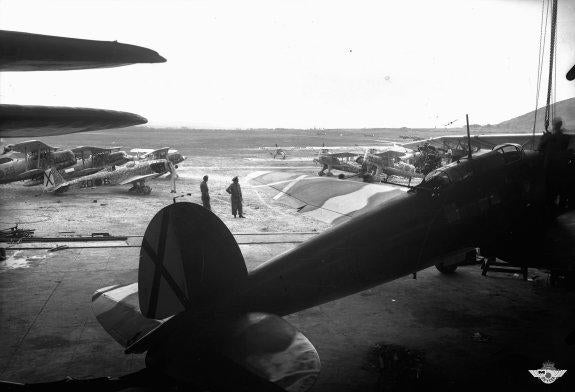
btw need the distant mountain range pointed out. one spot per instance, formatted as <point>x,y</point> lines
<point>524,123</point>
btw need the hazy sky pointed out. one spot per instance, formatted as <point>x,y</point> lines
<point>300,63</point>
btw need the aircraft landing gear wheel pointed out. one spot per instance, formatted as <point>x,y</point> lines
<point>140,189</point>
<point>446,269</point>
<point>320,173</point>
<point>341,176</point>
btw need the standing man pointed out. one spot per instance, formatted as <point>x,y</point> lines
<point>205,193</point>
<point>173,175</point>
<point>554,146</point>
<point>236,195</point>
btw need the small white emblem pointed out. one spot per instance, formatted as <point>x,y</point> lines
<point>548,373</point>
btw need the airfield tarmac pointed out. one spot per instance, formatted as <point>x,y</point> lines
<point>465,329</point>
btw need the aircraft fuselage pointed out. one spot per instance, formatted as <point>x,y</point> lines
<point>17,167</point>
<point>468,204</point>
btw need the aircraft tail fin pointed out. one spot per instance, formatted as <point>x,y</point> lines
<point>53,178</point>
<point>190,266</point>
<point>189,260</point>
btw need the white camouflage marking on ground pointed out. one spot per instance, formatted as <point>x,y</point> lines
<point>347,204</point>
<point>20,260</point>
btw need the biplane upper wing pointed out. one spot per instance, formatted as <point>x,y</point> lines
<point>160,153</point>
<point>33,121</point>
<point>344,154</point>
<point>143,177</point>
<point>30,146</point>
<point>478,142</point>
<point>90,150</point>
<point>390,153</point>
<point>20,51</point>
<point>329,200</point>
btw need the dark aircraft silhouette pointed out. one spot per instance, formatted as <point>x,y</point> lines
<point>21,51</point>
<point>199,314</point>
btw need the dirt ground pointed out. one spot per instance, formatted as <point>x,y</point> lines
<point>459,330</point>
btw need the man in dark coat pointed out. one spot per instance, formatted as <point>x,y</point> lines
<point>554,146</point>
<point>205,193</point>
<point>555,142</point>
<point>236,195</point>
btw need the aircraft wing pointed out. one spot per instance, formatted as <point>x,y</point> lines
<point>32,121</point>
<point>326,199</point>
<point>36,52</point>
<point>390,153</point>
<point>160,153</point>
<point>117,309</point>
<point>30,146</point>
<point>344,154</point>
<point>140,178</point>
<point>289,361</point>
<point>90,150</point>
<point>484,142</point>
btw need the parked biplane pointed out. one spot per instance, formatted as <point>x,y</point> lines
<point>134,173</point>
<point>161,153</point>
<point>374,163</point>
<point>343,161</point>
<point>28,161</point>
<point>90,160</point>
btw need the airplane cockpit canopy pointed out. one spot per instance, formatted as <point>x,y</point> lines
<point>450,174</point>
<point>511,152</point>
<point>464,169</point>
<point>436,179</point>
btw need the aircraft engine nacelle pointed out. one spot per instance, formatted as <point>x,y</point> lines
<point>62,159</point>
<point>160,167</point>
<point>119,158</point>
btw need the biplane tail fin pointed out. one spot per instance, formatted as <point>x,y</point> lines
<point>53,178</point>
<point>189,260</point>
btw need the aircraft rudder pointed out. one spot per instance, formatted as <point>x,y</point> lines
<point>188,260</point>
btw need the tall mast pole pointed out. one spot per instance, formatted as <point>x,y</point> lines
<point>551,57</point>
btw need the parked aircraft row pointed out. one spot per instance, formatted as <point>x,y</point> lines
<point>84,166</point>
<point>413,159</point>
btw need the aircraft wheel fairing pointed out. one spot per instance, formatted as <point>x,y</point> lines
<point>255,351</point>
<point>446,269</point>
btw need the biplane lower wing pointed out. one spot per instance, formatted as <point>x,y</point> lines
<point>139,178</point>
<point>326,199</point>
